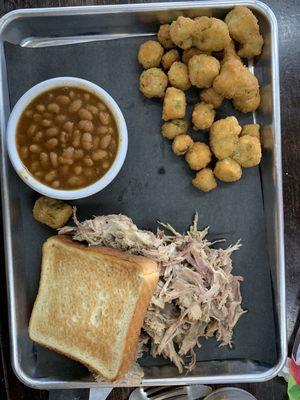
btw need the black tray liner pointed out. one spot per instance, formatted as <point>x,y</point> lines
<point>153,185</point>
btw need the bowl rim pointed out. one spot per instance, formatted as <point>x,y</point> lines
<point>22,171</point>
<point>229,389</point>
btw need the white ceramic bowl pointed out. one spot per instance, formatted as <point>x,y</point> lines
<point>230,393</point>
<point>22,170</point>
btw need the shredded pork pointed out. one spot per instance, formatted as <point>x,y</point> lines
<point>196,296</point>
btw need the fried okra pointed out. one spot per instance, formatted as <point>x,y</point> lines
<point>174,128</point>
<point>169,58</point>
<point>252,130</point>
<point>178,76</point>
<point>228,170</point>
<point>248,151</point>
<point>248,103</point>
<point>199,156</point>
<point>203,70</point>
<point>165,17</point>
<point>243,27</point>
<point>181,32</point>
<point>205,180</point>
<point>153,82</point>
<point>230,53</point>
<point>223,137</point>
<point>210,96</point>
<point>210,34</point>
<point>182,144</point>
<point>203,116</point>
<point>174,106</point>
<point>52,212</point>
<point>150,54</point>
<point>236,82</point>
<point>164,38</point>
<point>189,53</point>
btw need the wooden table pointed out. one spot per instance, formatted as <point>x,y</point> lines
<point>288,16</point>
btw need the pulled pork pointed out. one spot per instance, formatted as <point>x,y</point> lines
<point>196,296</point>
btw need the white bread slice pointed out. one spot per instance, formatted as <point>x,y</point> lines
<point>91,304</point>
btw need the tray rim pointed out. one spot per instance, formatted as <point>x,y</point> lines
<point>140,7</point>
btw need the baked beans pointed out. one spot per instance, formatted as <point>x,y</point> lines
<point>67,138</point>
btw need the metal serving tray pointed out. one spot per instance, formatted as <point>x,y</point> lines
<point>55,26</point>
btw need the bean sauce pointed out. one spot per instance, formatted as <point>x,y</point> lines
<point>67,138</point>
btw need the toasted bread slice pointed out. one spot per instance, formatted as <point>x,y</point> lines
<point>91,304</point>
